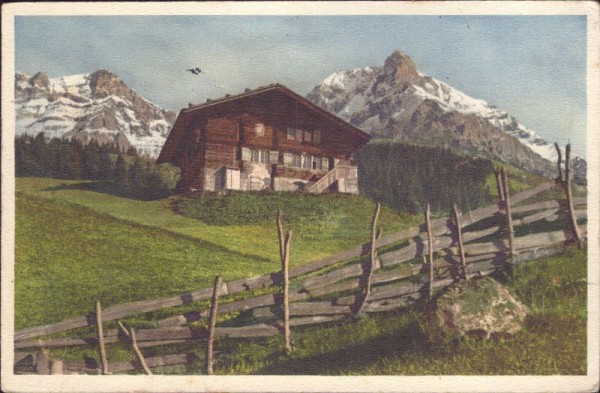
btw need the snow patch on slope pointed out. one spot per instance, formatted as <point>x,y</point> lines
<point>66,106</point>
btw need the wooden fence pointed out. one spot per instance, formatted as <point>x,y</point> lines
<point>384,274</point>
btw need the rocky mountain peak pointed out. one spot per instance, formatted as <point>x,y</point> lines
<point>98,106</point>
<point>40,80</point>
<point>396,101</point>
<point>104,83</point>
<point>401,67</point>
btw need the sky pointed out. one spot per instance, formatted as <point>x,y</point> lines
<point>533,67</point>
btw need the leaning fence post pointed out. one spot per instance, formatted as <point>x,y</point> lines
<point>430,250</point>
<point>212,321</point>
<point>372,259</point>
<point>139,353</point>
<point>499,186</point>
<point>135,347</point>
<point>461,250</point>
<point>509,223</point>
<point>286,287</point>
<point>566,185</point>
<point>101,346</point>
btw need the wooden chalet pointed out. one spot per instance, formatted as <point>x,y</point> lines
<point>268,138</point>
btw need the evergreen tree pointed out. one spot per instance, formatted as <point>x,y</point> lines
<point>408,177</point>
<point>120,171</point>
<point>132,152</point>
<point>91,160</point>
<point>104,163</point>
<point>154,185</point>
<point>135,176</point>
<point>40,155</point>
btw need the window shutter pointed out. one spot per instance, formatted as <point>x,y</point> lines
<point>317,136</point>
<point>325,163</point>
<point>274,157</point>
<point>246,155</point>
<point>298,134</point>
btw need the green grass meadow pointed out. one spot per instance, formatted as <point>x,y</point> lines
<point>75,244</point>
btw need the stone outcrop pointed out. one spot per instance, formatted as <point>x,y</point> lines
<point>478,307</point>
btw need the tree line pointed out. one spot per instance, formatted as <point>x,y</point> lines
<point>407,177</point>
<point>122,172</point>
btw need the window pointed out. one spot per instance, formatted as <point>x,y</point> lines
<point>307,162</point>
<point>297,160</point>
<point>259,128</point>
<point>307,136</point>
<point>274,157</point>
<point>260,156</point>
<point>288,159</point>
<point>263,156</point>
<point>316,136</point>
<point>291,133</point>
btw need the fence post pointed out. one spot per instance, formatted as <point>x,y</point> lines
<point>135,347</point>
<point>212,321</point>
<point>42,362</point>
<point>430,250</point>
<point>566,185</point>
<point>372,259</point>
<point>280,235</point>
<point>286,297</point>
<point>499,186</point>
<point>101,346</point>
<point>509,223</point>
<point>559,163</point>
<point>461,250</point>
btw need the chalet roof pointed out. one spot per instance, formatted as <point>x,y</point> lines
<point>186,113</point>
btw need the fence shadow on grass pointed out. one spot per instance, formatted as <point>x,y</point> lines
<point>408,338</point>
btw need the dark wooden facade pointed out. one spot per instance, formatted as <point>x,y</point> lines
<point>265,138</point>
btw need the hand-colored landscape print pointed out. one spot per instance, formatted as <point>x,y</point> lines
<point>301,195</point>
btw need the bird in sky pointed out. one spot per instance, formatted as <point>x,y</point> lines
<point>195,71</point>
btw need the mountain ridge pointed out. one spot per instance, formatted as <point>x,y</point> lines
<point>393,101</point>
<point>396,101</point>
<point>98,105</point>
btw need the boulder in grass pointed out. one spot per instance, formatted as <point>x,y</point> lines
<point>478,307</point>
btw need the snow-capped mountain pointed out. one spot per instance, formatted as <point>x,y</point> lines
<point>96,106</point>
<point>396,100</point>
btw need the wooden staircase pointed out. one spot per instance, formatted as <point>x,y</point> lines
<point>340,172</point>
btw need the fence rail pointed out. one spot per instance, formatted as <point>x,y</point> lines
<point>380,275</point>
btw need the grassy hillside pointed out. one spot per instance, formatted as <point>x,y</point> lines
<point>75,245</point>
